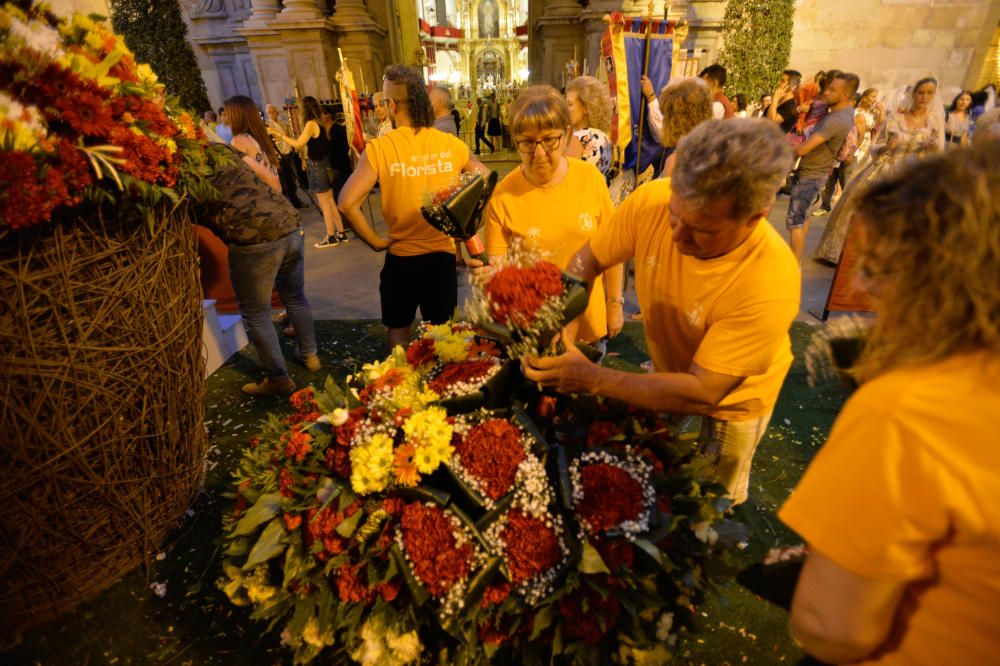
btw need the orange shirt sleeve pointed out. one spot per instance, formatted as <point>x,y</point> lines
<point>493,226</point>
<point>745,341</point>
<point>373,151</point>
<point>873,500</point>
<point>614,242</point>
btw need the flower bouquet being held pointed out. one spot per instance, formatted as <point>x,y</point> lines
<point>525,302</point>
<point>457,210</point>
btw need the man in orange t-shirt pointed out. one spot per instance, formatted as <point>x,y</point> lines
<point>717,286</point>
<point>410,161</point>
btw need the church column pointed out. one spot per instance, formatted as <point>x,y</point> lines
<point>560,32</point>
<point>361,40</point>
<point>300,10</point>
<point>261,13</point>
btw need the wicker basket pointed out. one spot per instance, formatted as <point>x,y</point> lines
<point>102,377</point>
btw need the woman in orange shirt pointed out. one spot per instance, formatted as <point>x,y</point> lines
<point>553,204</point>
<point>899,507</point>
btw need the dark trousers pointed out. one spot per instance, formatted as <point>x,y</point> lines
<point>287,177</point>
<point>481,136</point>
<point>840,176</point>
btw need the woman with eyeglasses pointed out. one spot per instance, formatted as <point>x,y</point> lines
<point>553,204</point>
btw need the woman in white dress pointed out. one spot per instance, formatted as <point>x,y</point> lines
<point>590,115</point>
<point>913,129</point>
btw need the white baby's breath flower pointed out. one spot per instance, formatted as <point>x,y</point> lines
<point>663,626</point>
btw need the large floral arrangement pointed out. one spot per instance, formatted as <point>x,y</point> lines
<point>81,121</point>
<point>387,524</point>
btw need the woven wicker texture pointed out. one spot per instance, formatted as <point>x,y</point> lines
<point>102,380</point>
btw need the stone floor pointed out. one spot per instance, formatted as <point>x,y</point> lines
<point>342,282</point>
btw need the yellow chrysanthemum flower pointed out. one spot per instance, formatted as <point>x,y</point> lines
<point>438,331</point>
<point>452,348</point>
<point>429,428</point>
<point>371,465</point>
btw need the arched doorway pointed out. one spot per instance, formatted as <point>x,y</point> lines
<point>490,70</point>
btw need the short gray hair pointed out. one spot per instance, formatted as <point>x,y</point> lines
<point>741,160</point>
<point>445,93</point>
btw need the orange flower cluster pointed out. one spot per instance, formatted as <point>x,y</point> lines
<point>390,380</point>
<point>297,444</point>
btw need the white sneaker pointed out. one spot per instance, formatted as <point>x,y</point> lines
<point>326,242</point>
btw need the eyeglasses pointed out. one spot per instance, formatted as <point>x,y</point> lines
<point>548,144</point>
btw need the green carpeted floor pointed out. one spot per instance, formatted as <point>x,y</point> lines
<point>193,623</point>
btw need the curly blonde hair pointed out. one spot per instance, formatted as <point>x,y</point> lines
<point>685,105</point>
<point>931,250</point>
<point>596,100</point>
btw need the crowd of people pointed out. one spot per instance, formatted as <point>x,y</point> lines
<point>903,562</point>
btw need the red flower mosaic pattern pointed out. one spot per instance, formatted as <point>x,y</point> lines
<point>429,541</point>
<point>610,497</point>
<point>491,452</point>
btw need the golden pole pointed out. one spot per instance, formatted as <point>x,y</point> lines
<point>642,104</point>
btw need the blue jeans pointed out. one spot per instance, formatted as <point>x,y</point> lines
<point>804,195</point>
<point>254,270</point>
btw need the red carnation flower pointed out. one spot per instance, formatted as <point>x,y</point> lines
<point>351,588</point>
<point>389,590</point>
<point>292,521</point>
<point>582,625</point>
<point>494,595</point>
<point>304,399</point>
<point>297,444</point>
<point>350,428</point>
<point>337,459</point>
<point>26,198</point>
<point>532,547</point>
<point>429,542</point>
<point>516,294</point>
<point>286,482</point>
<point>393,506</point>
<point>75,170</point>
<point>610,497</point>
<point>616,553</point>
<point>473,371</point>
<point>491,452</point>
<point>601,431</point>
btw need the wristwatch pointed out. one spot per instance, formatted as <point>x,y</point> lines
<point>619,300</point>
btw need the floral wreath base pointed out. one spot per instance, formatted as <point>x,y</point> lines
<point>375,523</point>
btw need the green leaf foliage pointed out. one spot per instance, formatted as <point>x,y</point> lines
<point>157,34</point>
<point>270,544</point>
<point>757,42</point>
<point>267,507</point>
